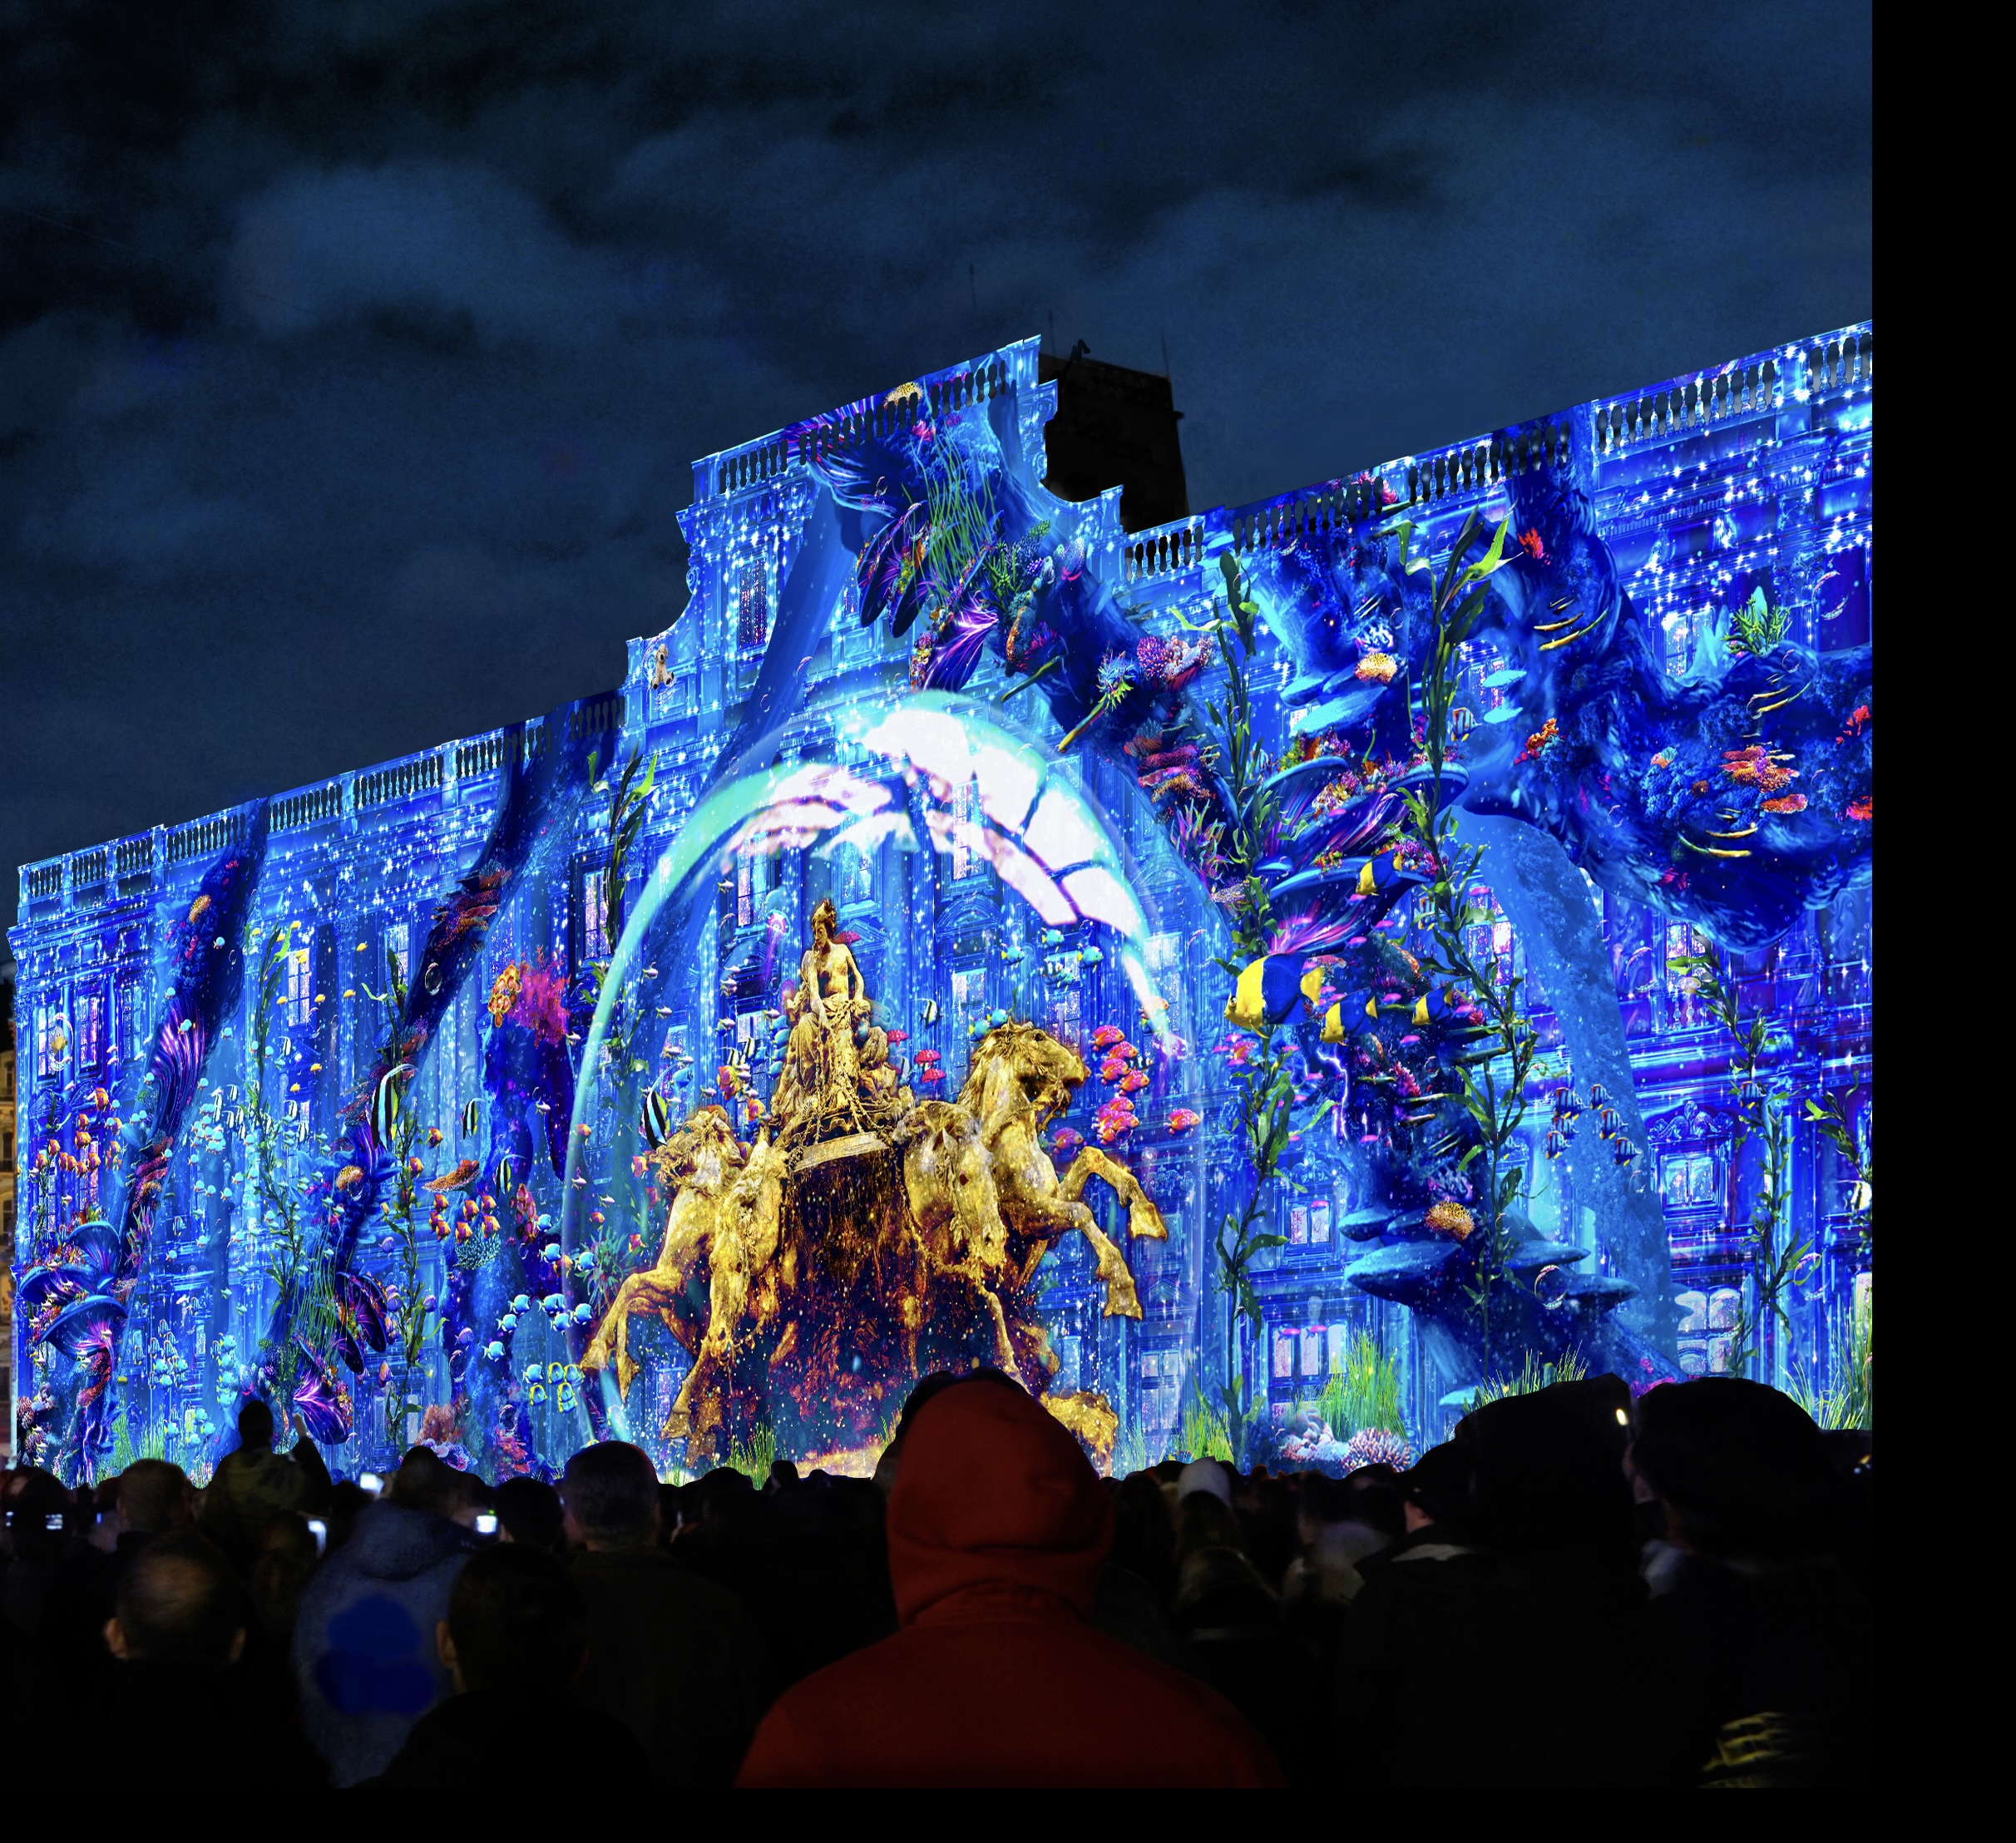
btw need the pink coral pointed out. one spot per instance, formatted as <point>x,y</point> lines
<point>540,1006</point>
<point>1376,1446</point>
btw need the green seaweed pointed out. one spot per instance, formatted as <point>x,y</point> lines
<point>1363,1396</point>
<point>1531,1378</point>
<point>1762,1114</point>
<point>1493,1074</point>
<point>1851,1401</point>
<point>754,1458</point>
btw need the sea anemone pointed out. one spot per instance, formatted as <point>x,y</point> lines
<point>1451,1218</point>
<point>1538,742</point>
<point>1377,1446</point>
<point>1377,668</point>
<point>1786,803</point>
<point>1116,678</point>
<point>1753,767</point>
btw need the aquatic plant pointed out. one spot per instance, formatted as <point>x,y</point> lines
<point>1831,1122</point>
<point>1759,1114</point>
<point>1266,1092</point>
<point>1849,1399</point>
<point>287,1265</point>
<point>1364,1395</point>
<point>1493,1075</point>
<point>1530,1379</point>
<point>1759,628</point>
<point>755,1457</point>
<point>1204,1432</point>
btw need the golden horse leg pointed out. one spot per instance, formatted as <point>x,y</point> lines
<point>615,1328</point>
<point>1122,1300</point>
<point>1142,1218</point>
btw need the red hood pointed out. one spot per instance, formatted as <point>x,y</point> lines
<point>991,1491</point>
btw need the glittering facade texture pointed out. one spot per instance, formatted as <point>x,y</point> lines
<point>701,1061</point>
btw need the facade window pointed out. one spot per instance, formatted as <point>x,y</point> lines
<point>300,999</point>
<point>966,861</point>
<point>396,939</point>
<point>1683,1006</point>
<point>753,616</point>
<point>745,892</point>
<point>595,916</point>
<point>1064,1020</point>
<point>90,1028</point>
<point>51,1040</point>
<point>125,1019</point>
<point>969,994</point>
<point>1488,935</point>
<point>1681,625</point>
<point>852,880</point>
<point>1689,1182</point>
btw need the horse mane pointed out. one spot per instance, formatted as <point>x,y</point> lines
<point>993,1049</point>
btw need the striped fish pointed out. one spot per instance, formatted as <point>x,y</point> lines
<point>472,1118</point>
<point>385,1103</point>
<point>655,1120</point>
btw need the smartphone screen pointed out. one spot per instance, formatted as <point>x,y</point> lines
<point>485,1523</point>
<point>320,1531</point>
<point>54,1521</point>
<point>370,1484</point>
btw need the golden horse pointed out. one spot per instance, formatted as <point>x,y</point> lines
<point>999,1188</point>
<point>984,1203</point>
<point>723,1221</point>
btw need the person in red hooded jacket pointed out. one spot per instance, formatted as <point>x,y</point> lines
<point>997,1528</point>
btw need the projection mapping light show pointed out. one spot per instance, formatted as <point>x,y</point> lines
<point>1267,980</point>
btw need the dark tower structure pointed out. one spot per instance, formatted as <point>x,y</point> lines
<point>1114,427</point>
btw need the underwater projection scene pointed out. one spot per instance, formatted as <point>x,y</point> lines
<point>1267,980</point>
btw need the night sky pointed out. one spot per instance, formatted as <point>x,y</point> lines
<point>347,405</point>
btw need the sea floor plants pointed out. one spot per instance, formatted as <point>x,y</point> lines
<point>1263,1124</point>
<point>1759,1147</point>
<point>1848,1400</point>
<point>1529,1379</point>
<point>1493,1073</point>
<point>1363,1395</point>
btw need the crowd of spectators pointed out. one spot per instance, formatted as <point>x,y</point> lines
<point>1577,1589</point>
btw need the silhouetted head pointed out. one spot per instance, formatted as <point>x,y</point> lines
<point>528,1513</point>
<point>928,1389</point>
<point>1369,1496</point>
<point>1204,1520</point>
<point>1546,1479</point>
<point>1218,1591</point>
<point>610,1496</point>
<point>178,1604</point>
<point>993,1494</point>
<point>154,1497</point>
<point>1438,1486</point>
<point>516,1623</point>
<point>1742,1469</point>
<point>424,1482</point>
<point>255,1426</point>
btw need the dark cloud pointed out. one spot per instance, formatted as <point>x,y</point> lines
<point>353,406</point>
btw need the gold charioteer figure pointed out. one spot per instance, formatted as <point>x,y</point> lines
<point>865,1237</point>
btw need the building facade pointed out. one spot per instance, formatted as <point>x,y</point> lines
<point>201,1025</point>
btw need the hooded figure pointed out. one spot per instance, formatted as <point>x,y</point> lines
<point>997,1528</point>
